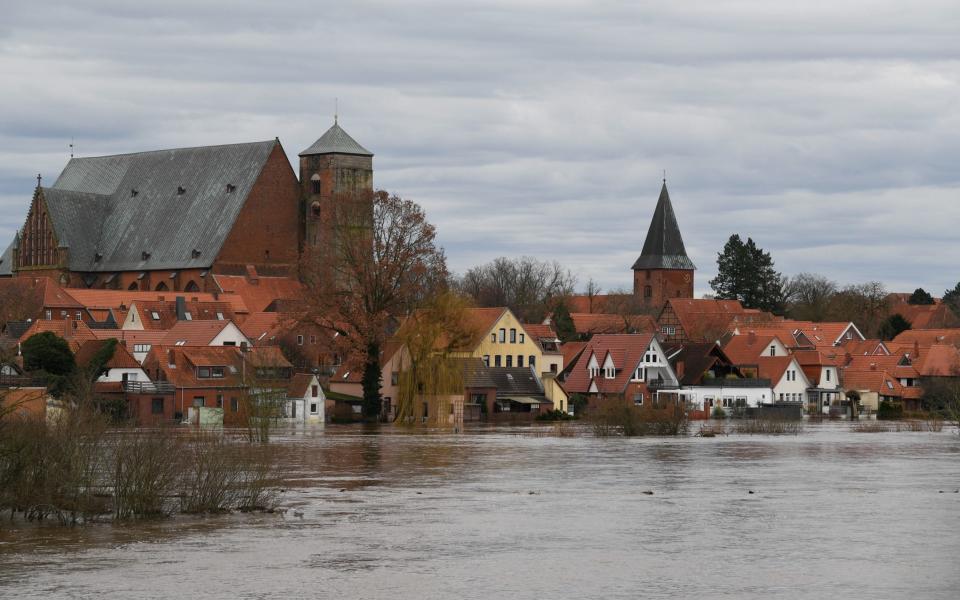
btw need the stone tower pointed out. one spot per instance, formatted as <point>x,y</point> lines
<point>334,164</point>
<point>663,270</point>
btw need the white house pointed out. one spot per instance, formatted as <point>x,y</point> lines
<point>786,376</point>
<point>206,333</point>
<point>305,400</point>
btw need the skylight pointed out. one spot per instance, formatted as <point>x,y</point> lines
<point>155,315</point>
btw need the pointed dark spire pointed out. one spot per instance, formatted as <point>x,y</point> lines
<point>663,248</point>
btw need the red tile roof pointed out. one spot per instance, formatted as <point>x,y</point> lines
<point>131,336</point>
<point>167,312</point>
<point>570,351</point>
<point>593,323</point>
<point>929,337</point>
<point>773,367</point>
<point>121,359</point>
<point>260,295</point>
<point>73,331</point>
<point>746,349</point>
<point>865,347</point>
<point>872,380</point>
<point>117,298</point>
<point>627,351</point>
<point>300,384</point>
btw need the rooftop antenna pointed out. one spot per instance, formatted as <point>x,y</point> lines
<point>336,109</point>
<point>71,146</point>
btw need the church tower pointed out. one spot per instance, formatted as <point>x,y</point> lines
<point>333,165</point>
<point>663,270</point>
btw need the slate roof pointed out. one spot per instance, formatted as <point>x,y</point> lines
<point>94,210</point>
<point>515,381</point>
<point>476,374</point>
<point>6,260</point>
<point>336,141</point>
<point>663,248</point>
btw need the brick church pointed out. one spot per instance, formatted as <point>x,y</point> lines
<point>168,219</point>
<point>663,270</point>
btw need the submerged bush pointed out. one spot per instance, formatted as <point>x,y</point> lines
<point>767,427</point>
<point>620,418</point>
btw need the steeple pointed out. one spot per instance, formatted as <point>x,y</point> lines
<point>663,248</point>
<point>336,141</point>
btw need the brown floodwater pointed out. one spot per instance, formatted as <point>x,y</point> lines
<point>508,513</point>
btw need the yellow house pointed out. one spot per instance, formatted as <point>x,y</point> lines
<point>501,340</point>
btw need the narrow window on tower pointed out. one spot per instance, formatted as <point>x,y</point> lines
<point>647,291</point>
<point>315,184</point>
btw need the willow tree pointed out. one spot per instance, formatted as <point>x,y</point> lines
<point>377,261</point>
<point>430,372</point>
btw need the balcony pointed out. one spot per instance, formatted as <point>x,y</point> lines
<point>148,387</point>
<point>735,383</point>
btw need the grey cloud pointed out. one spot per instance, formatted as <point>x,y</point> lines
<point>827,132</point>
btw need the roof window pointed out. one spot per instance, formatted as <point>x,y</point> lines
<point>133,192</point>
<point>188,316</point>
<point>155,315</point>
<point>231,188</point>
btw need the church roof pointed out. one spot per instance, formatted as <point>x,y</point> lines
<point>663,248</point>
<point>165,209</point>
<point>336,141</point>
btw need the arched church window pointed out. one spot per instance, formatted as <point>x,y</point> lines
<point>133,286</point>
<point>647,291</point>
<point>162,286</point>
<point>192,287</point>
<point>315,184</point>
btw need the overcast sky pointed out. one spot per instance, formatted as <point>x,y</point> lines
<point>827,131</point>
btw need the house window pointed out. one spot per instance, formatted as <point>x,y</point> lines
<point>314,408</point>
<point>609,372</point>
<point>496,360</point>
<point>216,372</point>
<point>522,338</point>
<point>828,374</point>
<point>781,397</point>
<point>156,406</point>
<point>79,315</point>
<point>155,315</point>
<point>493,338</point>
<point>198,401</point>
<point>141,347</point>
<point>313,339</point>
<point>49,314</point>
<point>773,350</point>
<point>187,315</point>
<point>234,405</point>
<point>594,371</point>
<point>314,391</point>
<point>486,359</point>
<point>519,360</point>
<point>219,400</point>
<point>299,340</point>
<point>532,361</point>
<point>203,372</point>
<point>503,335</point>
<point>513,336</point>
<point>638,399</point>
<point>394,378</point>
<point>315,183</point>
<point>647,291</point>
<point>553,367</point>
<point>219,316</point>
<point>509,360</point>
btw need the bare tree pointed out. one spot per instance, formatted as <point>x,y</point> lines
<point>808,296</point>
<point>527,286</point>
<point>381,262</point>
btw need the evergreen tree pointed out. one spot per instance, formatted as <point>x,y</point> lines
<point>745,273</point>
<point>893,326</point>
<point>952,299</point>
<point>563,322</point>
<point>920,296</point>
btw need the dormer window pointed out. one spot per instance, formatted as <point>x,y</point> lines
<point>609,373</point>
<point>594,371</point>
<point>195,253</point>
<point>231,188</point>
<point>145,255</point>
<point>133,193</point>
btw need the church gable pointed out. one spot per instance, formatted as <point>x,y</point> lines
<point>38,245</point>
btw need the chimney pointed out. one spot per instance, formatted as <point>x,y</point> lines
<point>752,337</point>
<point>181,309</point>
<point>916,349</point>
<point>873,366</point>
<point>252,275</point>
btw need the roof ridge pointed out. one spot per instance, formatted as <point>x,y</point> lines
<point>143,152</point>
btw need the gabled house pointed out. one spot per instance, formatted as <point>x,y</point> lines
<point>709,379</point>
<point>545,337</point>
<point>629,367</point>
<point>520,393</point>
<point>705,320</point>
<point>746,349</point>
<point>121,368</point>
<point>157,314</point>
<point>787,379</point>
<point>500,340</point>
<point>306,402</point>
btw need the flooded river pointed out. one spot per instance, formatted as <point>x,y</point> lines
<point>504,513</point>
